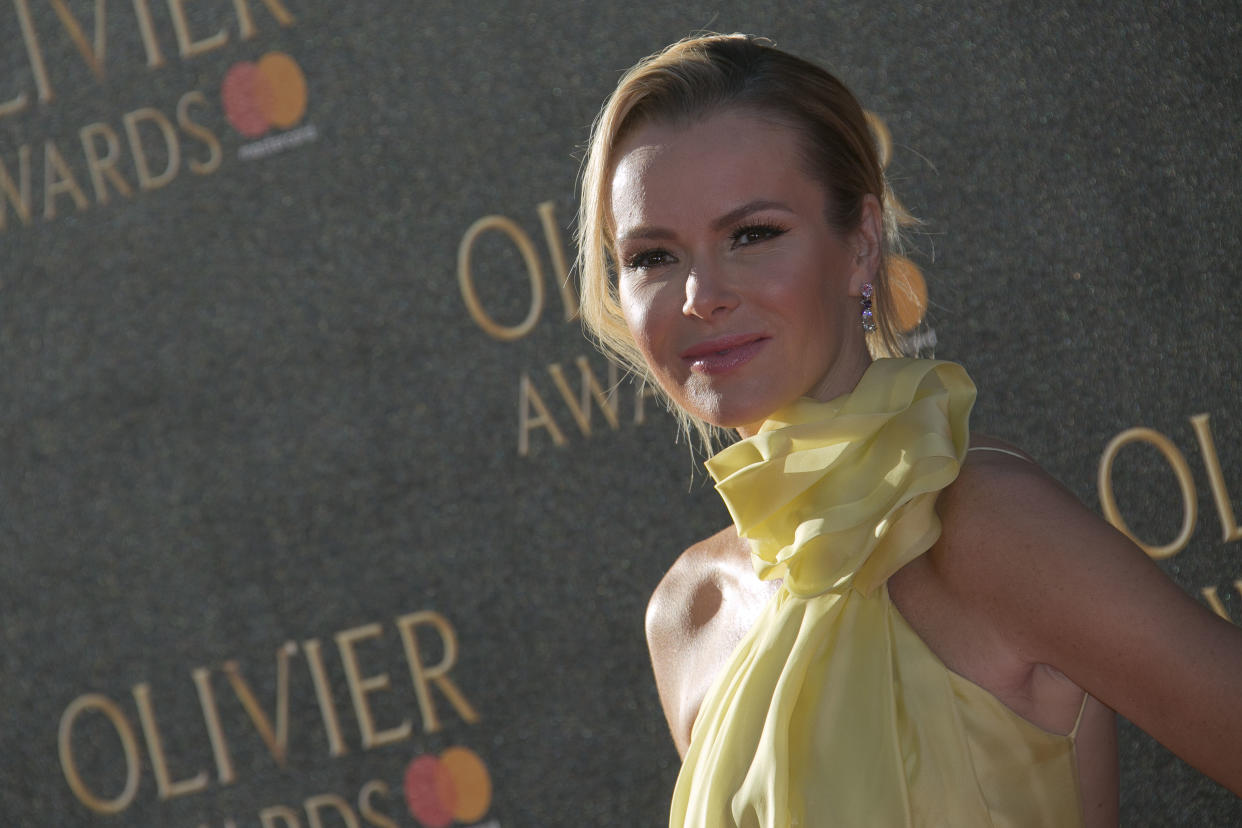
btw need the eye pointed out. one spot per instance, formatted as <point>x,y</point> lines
<point>648,259</point>
<point>751,233</point>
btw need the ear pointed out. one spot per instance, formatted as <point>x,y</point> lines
<point>868,242</point>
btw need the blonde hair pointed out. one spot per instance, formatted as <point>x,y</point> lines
<point>691,80</point>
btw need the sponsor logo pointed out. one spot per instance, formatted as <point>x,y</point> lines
<point>453,787</point>
<point>266,95</point>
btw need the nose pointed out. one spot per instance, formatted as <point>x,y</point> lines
<point>707,293</point>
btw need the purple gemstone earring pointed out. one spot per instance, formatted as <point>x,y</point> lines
<point>868,317</point>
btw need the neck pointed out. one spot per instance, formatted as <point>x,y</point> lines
<point>841,378</point>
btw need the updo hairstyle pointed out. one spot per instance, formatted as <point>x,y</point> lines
<point>692,80</point>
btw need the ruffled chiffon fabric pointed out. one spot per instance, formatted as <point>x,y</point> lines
<point>832,712</point>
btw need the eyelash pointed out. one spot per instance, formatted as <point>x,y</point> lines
<point>642,261</point>
<point>767,231</point>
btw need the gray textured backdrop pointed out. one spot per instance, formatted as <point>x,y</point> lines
<point>250,407</point>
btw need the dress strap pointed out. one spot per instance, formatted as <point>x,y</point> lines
<point>1082,708</point>
<point>1001,450</point>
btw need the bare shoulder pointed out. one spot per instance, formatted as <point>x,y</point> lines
<point>1020,554</point>
<point>689,594</point>
<point>1004,523</point>
<point>1004,517</point>
<point>695,618</point>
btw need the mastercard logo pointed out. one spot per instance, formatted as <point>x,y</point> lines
<point>264,95</point>
<point>454,786</point>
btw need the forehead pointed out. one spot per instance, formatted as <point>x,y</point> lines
<point>666,172</point>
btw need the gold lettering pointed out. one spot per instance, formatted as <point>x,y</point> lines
<point>359,687</point>
<point>556,251</point>
<point>642,391</point>
<point>314,804</point>
<point>245,21</point>
<point>105,167</point>
<point>580,409</point>
<point>323,693</point>
<point>17,196</point>
<point>465,278</point>
<point>211,715</point>
<point>528,397</point>
<point>186,44</point>
<point>155,58</point>
<point>57,179</point>
<point>94,57</point>
<point>197,130</point>
<point>145,180</point>
<point>1190,502</point>
<point>884,151</point>
<point>421,674</point>
<point>277,741</point>
<point>155,747</point>
<point>30,37</point>
<point>129,745</point>
<point>288,816</point>
<point>14,105</point>
<point>1213,599</point>
<point>367,809</point>
<point>1207,446</point>
<point>883,138</point>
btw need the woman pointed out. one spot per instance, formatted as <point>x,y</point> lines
<point>908,624</point>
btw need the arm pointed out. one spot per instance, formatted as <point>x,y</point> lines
<point>683,628</point>
<point>668,639</point>
<point>700,611</point>
<point>1065,589</point>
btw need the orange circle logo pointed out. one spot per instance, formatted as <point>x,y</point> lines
<point>908,292</point>
<point>453,786</point>
<point>263,95</point>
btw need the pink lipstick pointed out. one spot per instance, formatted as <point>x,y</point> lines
<point>717,356</point>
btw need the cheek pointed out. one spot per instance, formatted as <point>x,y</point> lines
<point>638,307</point>
<point>814,296</point>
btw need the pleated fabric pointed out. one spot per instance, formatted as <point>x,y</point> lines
<point>832,711</point>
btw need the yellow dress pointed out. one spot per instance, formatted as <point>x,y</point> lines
<point>832,711</point>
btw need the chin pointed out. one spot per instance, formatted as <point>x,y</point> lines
<point>722,412</point>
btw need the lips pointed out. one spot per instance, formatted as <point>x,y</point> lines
<point>716,356</point>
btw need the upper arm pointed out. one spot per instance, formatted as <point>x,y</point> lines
<point>666,636</point>
<point>1068,590</point>
<point>688,635</point>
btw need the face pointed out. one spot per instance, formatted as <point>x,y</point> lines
<point>739,293</point>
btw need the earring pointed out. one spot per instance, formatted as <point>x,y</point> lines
<point>868,317</point>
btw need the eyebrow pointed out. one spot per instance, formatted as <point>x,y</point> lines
<point>734,216</point>
<point>723,222</point>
